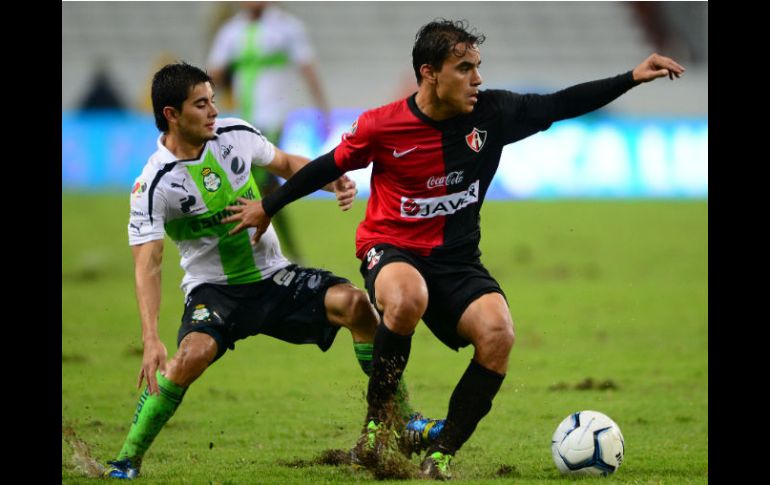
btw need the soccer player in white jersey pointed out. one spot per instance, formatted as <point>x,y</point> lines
<point>233,289</point>
<point>265,48</point>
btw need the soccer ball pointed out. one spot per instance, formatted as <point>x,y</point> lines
<point>587,443</point>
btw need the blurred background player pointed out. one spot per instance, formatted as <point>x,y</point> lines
<point>233,290</point>
<point>258,52</point>
<point>435,154</point>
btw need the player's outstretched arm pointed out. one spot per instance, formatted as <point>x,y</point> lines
<point>147,267</point>
<point>657,66</point>
<point>586,97</point>
<point>285,165</point>
<point>257,213</point>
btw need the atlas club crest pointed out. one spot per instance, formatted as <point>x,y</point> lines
<point>475,139</point>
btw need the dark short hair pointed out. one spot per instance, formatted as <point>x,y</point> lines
<point>434,42</point>
<point>171,86</point>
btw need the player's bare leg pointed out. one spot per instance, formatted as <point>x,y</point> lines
<point>349,307</point>
<point>196,352</point>
<point>402,296</point>
<point>487,324</point>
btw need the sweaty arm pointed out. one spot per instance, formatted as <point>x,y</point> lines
<point>147,269</point>
<point>311,177</point>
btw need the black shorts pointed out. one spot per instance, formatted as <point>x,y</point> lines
<point>288,306</point>
<point>452,287</point>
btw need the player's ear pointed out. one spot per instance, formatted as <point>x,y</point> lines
<point>428,73</point>
<point>171,114</point>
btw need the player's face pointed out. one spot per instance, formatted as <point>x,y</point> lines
<point>459,79</point>
<point>196,120</point>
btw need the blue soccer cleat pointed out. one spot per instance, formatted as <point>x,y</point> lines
<point>419,433</point>
<point>121,469</point>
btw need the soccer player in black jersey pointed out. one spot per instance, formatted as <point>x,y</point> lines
<point>434,156</point>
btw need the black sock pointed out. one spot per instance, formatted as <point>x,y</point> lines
<point>389,358</point>
<point>470,401</point>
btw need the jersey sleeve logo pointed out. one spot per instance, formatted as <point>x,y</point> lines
<point>136,227</point>
<point>138,188</point>
<point>211,180</point>
<point>475,139</point>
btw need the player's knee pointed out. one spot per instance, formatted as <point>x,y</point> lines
<point>361,313</point>
<point>497,338</point>
<point>402,296</point>
<point>196,352</point>
<point>405,311</point>
<point>507,336</point>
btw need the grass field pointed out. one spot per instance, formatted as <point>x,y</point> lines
<point>615,292</point>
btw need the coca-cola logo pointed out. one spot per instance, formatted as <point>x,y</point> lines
<point>410,207</point>
<point>452,178</point>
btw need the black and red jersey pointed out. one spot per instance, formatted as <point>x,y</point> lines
<point>430,177</point>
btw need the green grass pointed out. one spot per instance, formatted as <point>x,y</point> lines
<point>603,290</point>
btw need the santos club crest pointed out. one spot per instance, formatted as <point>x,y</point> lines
<point>475,139</point>
<point>211,180</point>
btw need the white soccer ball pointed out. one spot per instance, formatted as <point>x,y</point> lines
<point>587,443</point>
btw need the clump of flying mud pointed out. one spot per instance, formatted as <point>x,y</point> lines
<point>389,462</point>
<point>386,464</point>
<point>332,456</point>
<point>81,454</point>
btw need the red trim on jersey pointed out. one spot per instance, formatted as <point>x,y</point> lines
<point>406,153</point>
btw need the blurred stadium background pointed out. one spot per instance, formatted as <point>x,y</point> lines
<point>651,142</point>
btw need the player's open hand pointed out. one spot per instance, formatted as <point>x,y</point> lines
<point>657,66</point>
<point>346,191</point>
<point>154,359</point>
<point>249,213</point>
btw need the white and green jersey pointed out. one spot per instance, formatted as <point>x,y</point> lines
<point>263,54</point>
<point>186,199</point>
